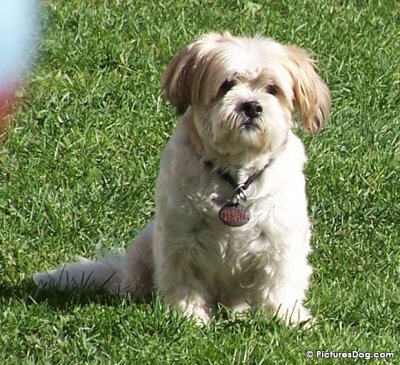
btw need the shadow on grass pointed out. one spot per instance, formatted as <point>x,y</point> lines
<point>151,307</point>
<point>27,292</point>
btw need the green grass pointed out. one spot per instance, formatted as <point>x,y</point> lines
<point>79,165</point>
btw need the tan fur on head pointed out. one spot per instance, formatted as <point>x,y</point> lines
<point>311,95</point>
<point>276,77</point>
<point>185,71</point>
<point>189,70</point>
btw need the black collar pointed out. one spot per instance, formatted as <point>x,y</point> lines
<point>239,188</point>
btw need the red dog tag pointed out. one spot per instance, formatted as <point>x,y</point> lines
<point>234,214</point>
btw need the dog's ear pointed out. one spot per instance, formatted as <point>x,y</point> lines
<point>178,78</point>
<point>311,95</point>
<point>185,73</point>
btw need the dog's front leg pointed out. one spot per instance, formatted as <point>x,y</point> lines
<point>286,296</point>
<point>177,283</point>
<point>178,289</point>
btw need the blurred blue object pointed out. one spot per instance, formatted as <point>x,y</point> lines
<point>19,29</point>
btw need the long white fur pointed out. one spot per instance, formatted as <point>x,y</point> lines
<point>188,256</point>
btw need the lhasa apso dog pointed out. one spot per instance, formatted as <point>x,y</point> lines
<point>231,224</point>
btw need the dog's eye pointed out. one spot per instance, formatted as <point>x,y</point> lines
<point>272,89</point>
<point>226,86</point>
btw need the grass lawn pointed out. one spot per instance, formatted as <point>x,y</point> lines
<point>79,165</point>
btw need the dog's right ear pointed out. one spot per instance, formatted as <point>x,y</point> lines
<point>178,79</point>
<point>185,72</point>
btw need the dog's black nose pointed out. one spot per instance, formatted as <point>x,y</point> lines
<point>252,109</point>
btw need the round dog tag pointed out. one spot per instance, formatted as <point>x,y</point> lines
<point>234,214</point>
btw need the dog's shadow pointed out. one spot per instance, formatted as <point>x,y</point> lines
<point>27,292</point>
<point>65,302</point>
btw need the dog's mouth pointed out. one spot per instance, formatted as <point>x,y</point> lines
<point>250,125</point>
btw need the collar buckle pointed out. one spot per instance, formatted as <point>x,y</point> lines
<point>240,193</point>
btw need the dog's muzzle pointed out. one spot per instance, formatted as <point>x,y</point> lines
<point>250,112</point>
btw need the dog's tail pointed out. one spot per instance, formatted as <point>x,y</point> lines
<point>84,274</point>
<point>125,272</point>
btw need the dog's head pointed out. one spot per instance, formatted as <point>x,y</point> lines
<point>242,92</point>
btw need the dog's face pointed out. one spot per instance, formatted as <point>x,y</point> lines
<point>242,91</point>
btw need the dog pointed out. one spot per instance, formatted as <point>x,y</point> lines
<point>231,226</point>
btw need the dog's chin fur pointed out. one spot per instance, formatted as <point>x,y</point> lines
<point>188,255</point>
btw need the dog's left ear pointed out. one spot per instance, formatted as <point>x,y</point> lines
<point>311,95</point>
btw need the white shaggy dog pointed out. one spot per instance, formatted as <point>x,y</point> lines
<point>231,222</point>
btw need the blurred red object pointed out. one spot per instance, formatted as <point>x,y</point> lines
<point>6,108</point>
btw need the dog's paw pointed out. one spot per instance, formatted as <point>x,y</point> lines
<point>197,311</point>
